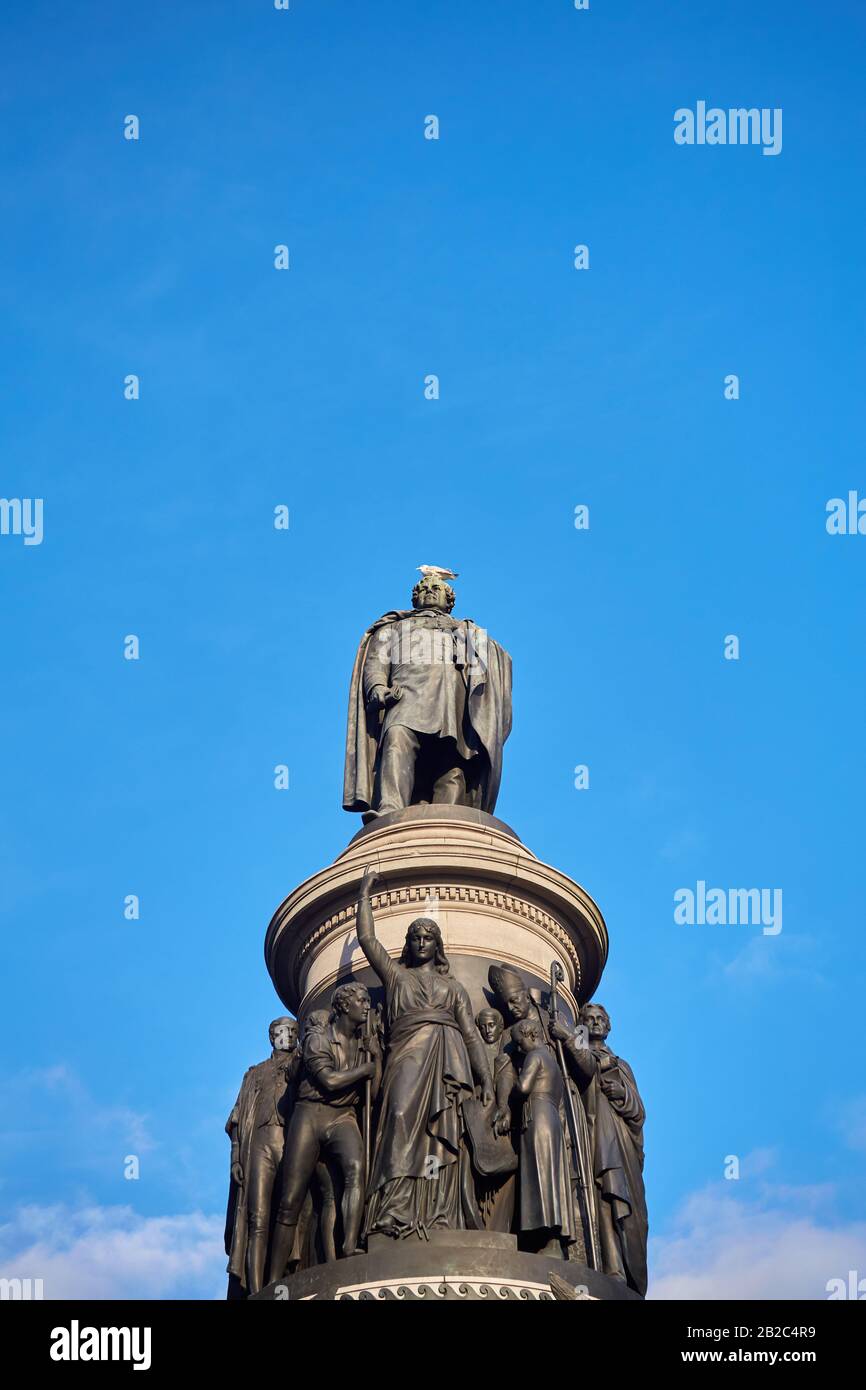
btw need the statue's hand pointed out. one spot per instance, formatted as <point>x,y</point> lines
<point>369,881</point>
<point>501,1122</point>
<point>237,1174</point>
<point>384,696</point>
<point>488,1095</point>
<point>559,1030</point>
<point>614,1090</point>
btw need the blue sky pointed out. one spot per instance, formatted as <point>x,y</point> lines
<point>557,387</point>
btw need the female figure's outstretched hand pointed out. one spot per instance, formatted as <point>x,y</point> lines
<point>369,881</point>
<point>364,920</point>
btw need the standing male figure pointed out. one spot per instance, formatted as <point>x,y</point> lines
<point>429,709</point>
<point>257,1129</point>
<point>615,1116</point>
<point>324,1122</point>
<point>317,1224</point>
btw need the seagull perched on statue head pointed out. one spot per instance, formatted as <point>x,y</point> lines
<point>437,572</point>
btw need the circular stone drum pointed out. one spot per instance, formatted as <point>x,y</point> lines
<point>493,899</point>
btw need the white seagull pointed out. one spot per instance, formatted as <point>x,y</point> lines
<point>437,572</point>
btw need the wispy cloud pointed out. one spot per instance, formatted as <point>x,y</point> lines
<point>779,1243</point>
<point>113,1253</point>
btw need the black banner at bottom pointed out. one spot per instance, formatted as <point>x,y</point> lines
<point>158,1338</point>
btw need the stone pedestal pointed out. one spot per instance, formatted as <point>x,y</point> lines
<point>493,899</point>
<point>494,902</point>
<point>450,1266</point>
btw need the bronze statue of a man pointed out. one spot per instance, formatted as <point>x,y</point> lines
<point>325,1121</point>
<point>615,1115</point>
<point>317,1224</point>
<point>257,1129</point>
<point>429,709</point>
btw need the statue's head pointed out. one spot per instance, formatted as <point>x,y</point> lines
<point>353,1000</point>
<point>283,1033</point>
<point>490,1024</point>
<point>510,991</point>
<point>597,1020</point>
<point>433,592</point>
<point>519,1003</point>
<point>316,1019</point>
<point>423,944</point>
<point>527,1034</point>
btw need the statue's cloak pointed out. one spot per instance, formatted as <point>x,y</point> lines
<point>488,711</point>
<point>243,1115</point>
<point>617,1140</point>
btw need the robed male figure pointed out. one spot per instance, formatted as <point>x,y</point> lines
<point>615,1115</point>
<point>429,709</point>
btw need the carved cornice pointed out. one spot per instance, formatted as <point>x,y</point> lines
<point>471,866</point>
<point>492,900</point>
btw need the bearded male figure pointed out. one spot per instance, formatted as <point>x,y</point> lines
<point>615,1114</point>
<point>429,709</point>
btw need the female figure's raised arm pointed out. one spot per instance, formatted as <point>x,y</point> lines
<point>373,949</point>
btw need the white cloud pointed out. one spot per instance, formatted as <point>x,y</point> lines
<point>778,1244</point>
<point>114,1253</point>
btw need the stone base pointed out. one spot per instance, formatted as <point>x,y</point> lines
<point>451,1265</point>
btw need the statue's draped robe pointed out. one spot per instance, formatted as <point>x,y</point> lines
<point>421,1173</point>
<point>477,716</point>
<point>616,1138</point>
<point>546,1198</point>
<point>505,1073</point>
